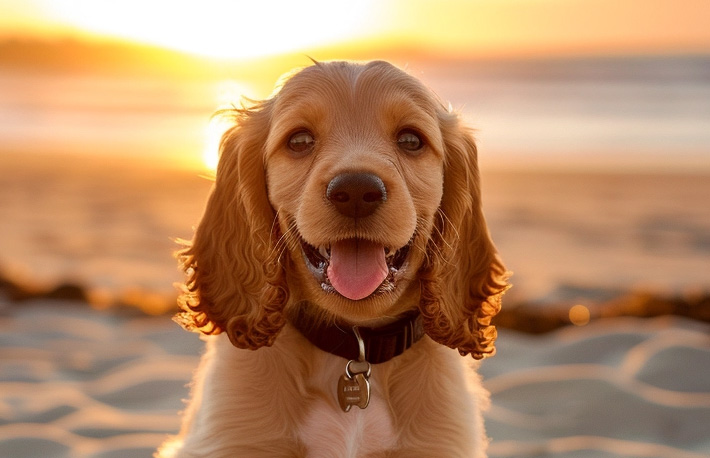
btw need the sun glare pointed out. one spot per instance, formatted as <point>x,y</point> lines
<point>213,135</point>
<point>228,94</point>
<point>221,28</point>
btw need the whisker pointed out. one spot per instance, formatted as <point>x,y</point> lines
<point>438,250</point>
<point>286,238</point>
<point>450,225</point>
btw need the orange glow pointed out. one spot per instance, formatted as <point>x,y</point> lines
<point>523,27</point>
<point>229,94</point>
<point>579,315</point>
<point>213,134</point>
<point>256,41</point>
<point>248,29</point>
<point>220,28</point>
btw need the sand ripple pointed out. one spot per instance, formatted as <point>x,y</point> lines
<point>75,382</point>
<point>624,388</point>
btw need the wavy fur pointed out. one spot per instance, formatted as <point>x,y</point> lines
<point>266,391</point>
<point>235,280</point>
<point>464,281</point>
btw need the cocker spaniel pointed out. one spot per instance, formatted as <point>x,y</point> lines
<point>341,270</point>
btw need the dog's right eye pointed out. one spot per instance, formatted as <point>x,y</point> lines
<point>410,141</point>
<point>301,142</point>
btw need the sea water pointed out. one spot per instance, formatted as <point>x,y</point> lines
<point>620,111</point>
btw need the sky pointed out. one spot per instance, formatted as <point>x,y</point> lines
<point>265,38</point>
<point>245,29</point>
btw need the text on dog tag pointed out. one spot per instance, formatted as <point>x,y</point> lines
<point>353,391</point>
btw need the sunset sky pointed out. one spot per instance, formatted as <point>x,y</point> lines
<point>244,29</point>
<point>239,48</point>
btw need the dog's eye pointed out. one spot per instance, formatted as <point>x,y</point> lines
<point>409,141</point>
<point>301,142</point>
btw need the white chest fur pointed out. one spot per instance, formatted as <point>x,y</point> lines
<point>328,431</point>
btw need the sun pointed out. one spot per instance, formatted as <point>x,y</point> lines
<point>213,136</point>
<point>228,94</point>
<point>220,28</point>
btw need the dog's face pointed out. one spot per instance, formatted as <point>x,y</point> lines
<point>355,189</point>
<point>354,169</point>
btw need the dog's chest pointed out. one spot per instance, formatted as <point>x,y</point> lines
<point>327,431</point>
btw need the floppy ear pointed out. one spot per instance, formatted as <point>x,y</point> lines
<point>464,279</point>
<point>235,283</point>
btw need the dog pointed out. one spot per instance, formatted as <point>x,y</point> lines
<point>340,273</point>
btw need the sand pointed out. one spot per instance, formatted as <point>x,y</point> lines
<point>77,382</point>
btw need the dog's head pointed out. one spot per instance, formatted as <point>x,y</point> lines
<point>354,189</point>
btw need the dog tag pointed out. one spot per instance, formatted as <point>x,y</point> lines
<point>353,391</point>
<point>354,385</point>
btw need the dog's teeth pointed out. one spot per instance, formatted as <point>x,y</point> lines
<point>389,252</point>
<point>323,250</point>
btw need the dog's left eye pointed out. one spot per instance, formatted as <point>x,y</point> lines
<point>409,141</point>
<point>301,142</point>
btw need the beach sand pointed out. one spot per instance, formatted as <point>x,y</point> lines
<point>92,366</point>
<point>77,382</point>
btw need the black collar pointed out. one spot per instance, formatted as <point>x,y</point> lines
<point>381,344</point>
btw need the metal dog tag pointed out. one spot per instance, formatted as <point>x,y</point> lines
<point>354,385</point>
<point>353,391</point>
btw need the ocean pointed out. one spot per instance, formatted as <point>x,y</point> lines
<point>606,113</point>
<point>634,113</point>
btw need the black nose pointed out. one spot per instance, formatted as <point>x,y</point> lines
<point>356,194</point>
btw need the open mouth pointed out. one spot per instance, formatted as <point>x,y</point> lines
<point>355,268</point>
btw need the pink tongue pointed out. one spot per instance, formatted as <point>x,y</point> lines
<point>357,268</point>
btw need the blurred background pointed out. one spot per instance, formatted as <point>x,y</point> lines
<point>592,118</point>
<point>593,124</point>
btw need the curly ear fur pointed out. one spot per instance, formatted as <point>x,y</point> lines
<point>235,282</point>
<point>463,280</point>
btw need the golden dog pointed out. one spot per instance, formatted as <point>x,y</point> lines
<point>341,270</point>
